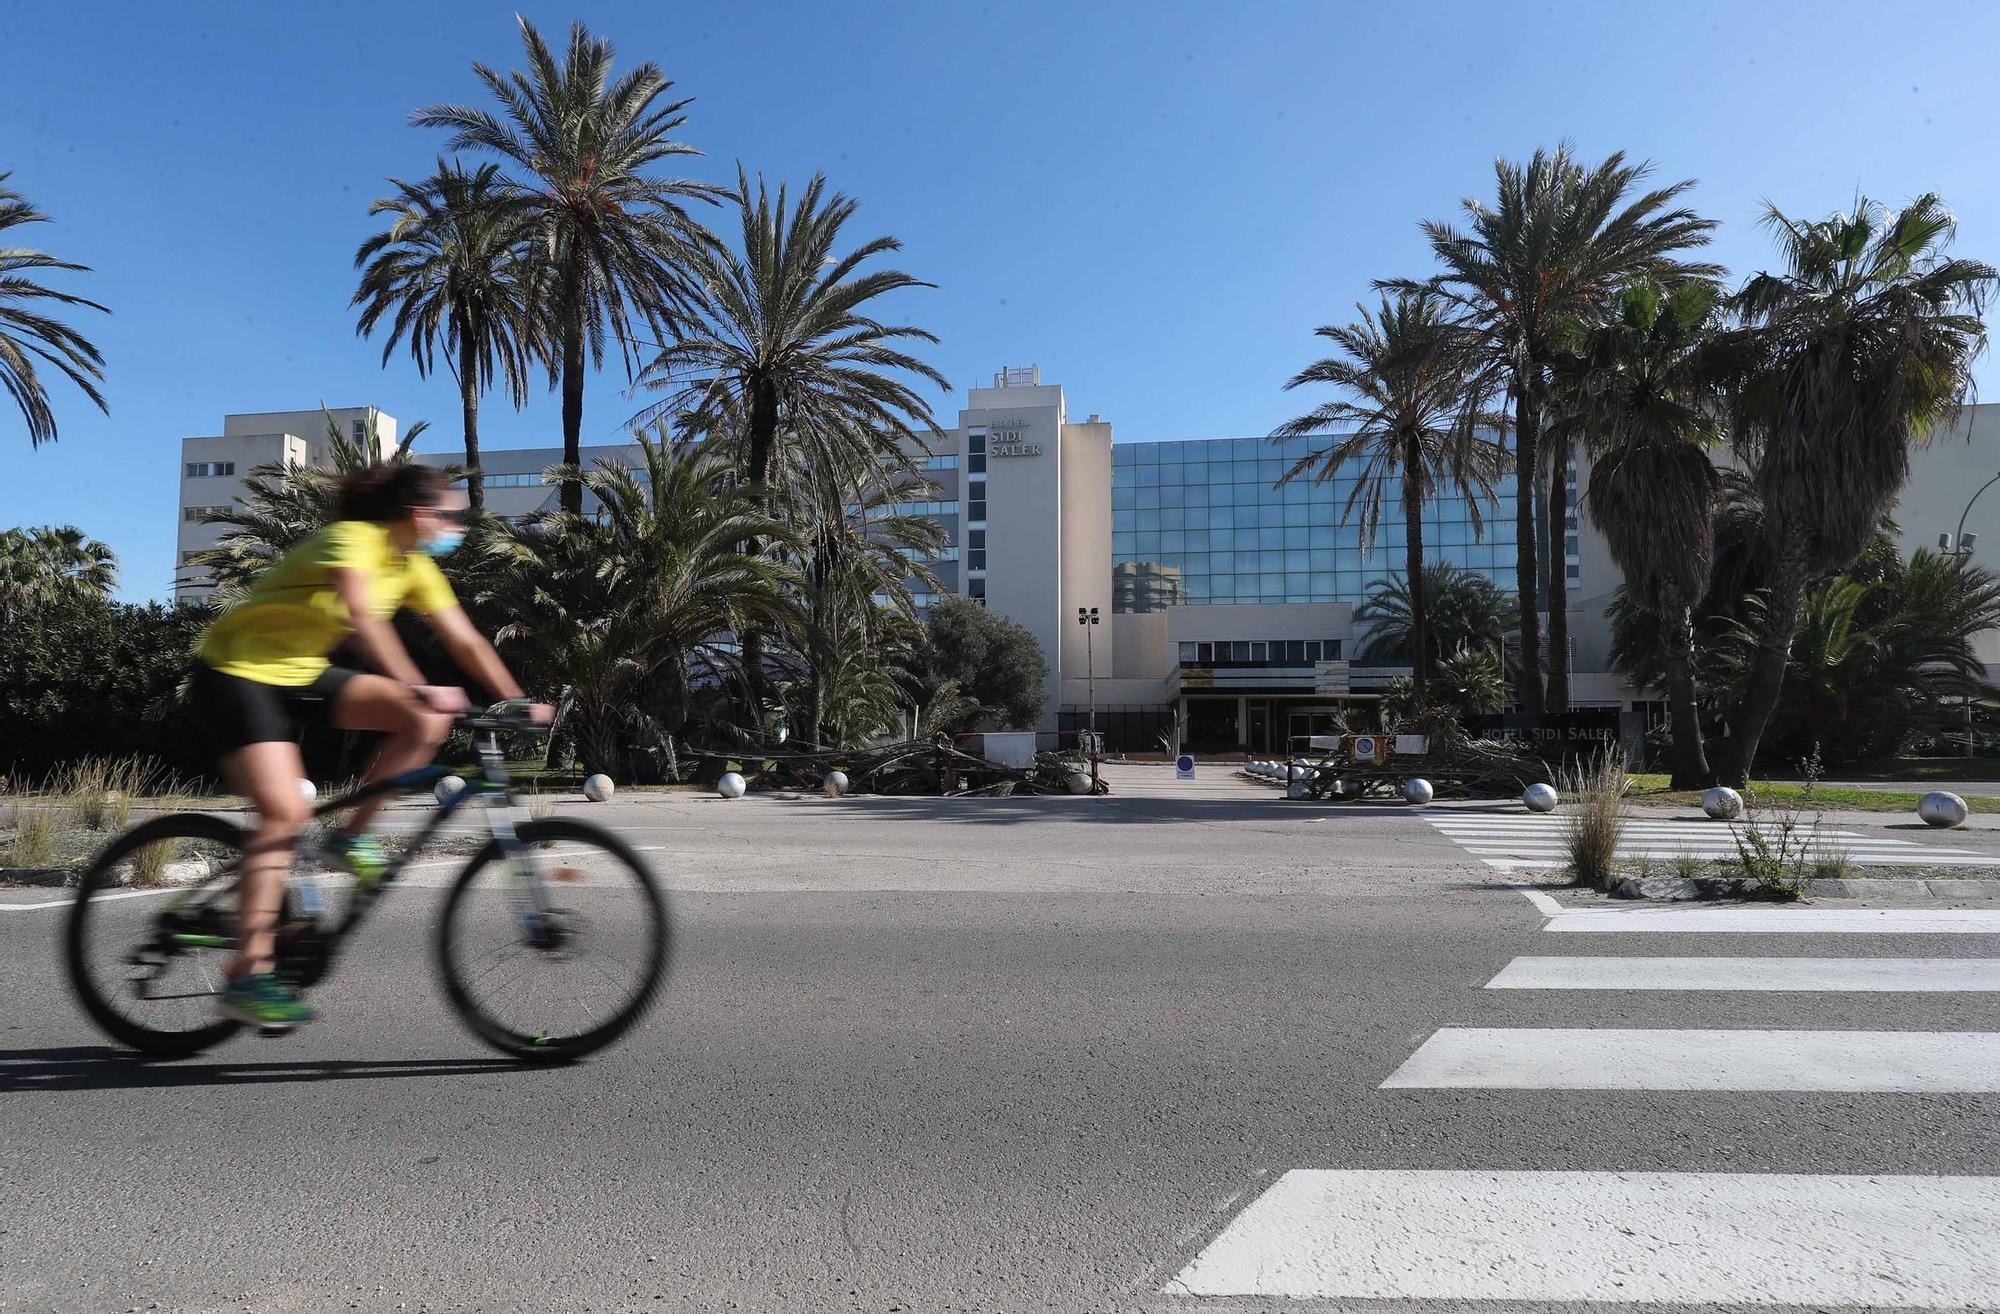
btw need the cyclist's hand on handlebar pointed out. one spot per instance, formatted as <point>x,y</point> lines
<point>445,698</point>
<point>533,713</point>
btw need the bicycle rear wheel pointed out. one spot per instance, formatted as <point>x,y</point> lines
<point>556,992</point>
<point>148,969</point>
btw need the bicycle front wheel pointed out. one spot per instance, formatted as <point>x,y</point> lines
<point>557,988</point>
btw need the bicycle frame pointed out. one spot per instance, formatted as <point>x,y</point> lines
<point>492,789</point>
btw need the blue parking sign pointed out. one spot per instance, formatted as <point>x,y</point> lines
<point>1184,767</point>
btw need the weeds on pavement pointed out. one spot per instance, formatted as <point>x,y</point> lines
<point>1774,847</point>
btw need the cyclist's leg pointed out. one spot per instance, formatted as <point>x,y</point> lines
<point>375,702</point>
<point>268,775</point>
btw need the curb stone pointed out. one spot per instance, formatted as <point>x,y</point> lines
<point>1674,889</point>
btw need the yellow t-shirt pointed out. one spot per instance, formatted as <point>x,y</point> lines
<point>293,618</point>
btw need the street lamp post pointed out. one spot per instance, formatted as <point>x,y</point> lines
<point>1959,544</point>
<point>1087,617</point>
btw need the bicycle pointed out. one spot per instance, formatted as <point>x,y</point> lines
<point>169,965</point>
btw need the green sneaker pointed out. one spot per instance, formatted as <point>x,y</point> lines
<point>262,1000</point>
<point>361,856</point>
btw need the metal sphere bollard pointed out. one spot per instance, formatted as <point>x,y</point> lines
<point>1296,771</point>
<point>1297,789</point>
<point>598,788</point>
<point>836,783</point>
<point>309,791</point>
<point>731,785</point>
<point>1722,803</point>
<point>1942,809</point>
<point>447,787</point>
<point>1539,797</point>
<point>1077,783</point>
<point>1418,791</point>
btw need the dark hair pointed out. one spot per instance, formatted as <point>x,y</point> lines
<point>387,492</point>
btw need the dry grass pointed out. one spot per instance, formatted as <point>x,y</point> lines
<point>1595,787</point>
<point>100,790</point>
<point>1832,863</point>
<point>34,842</point>
<point>149,865</point>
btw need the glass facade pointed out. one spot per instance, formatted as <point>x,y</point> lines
<point>1209,515</point>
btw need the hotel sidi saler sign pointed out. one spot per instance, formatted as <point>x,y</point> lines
<point>1009,438</point>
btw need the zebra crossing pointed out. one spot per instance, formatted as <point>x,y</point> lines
<point>1883,1241</point>
<point>1512,841</point>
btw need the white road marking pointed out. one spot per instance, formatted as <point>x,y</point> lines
<point>1943,975</point>
<point>1514,843</point>
<point>1544,904</point>
<point>1567,1058</point>
<point>1681,1238</point>
<point>1780,920</point>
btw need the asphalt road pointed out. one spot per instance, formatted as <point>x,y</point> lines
<point>915,1054</point>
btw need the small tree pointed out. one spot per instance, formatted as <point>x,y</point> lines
<point>993,660</point>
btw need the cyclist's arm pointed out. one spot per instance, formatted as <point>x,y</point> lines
<point>472,652</point>
<point>374,636</point>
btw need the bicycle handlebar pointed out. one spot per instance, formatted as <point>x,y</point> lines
<point>502,718</point>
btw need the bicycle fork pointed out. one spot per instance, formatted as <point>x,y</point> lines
<point>527,892</point>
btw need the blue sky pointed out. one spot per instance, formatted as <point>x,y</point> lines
<point>1155,202</point>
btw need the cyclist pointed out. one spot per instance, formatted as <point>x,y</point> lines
<point>264,667</point>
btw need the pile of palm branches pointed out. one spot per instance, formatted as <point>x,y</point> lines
<point>930,765</point>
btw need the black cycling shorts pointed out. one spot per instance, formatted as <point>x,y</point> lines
<point>239,711</point>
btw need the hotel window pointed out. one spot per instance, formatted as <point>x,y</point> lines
<point>197,512</point>
<point>360,431</point>
<point>210,469</point>
<point>975,448</point>
<point>975,551</point>
<point>976,590</point>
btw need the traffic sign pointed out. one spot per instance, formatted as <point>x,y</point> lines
<point>1184,767</point>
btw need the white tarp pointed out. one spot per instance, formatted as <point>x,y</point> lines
<point>1013,748</point>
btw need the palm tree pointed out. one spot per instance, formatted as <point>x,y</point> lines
<point>1645,410</point>
<point>617,240</point>
<point>1464,610</point>
<point>1419,387</point>
<point>1876,662</point>
<point>618,615</point>
<point>1559,239</point>
<point>51,564</point>
<point>789,364</point>
<point>282,505</point>
<point>857,612</point>
<point>26,334</point>
<point>1862,346</point>
<point>456,269</point>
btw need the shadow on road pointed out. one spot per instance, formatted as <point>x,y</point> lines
<point>100,1067</point>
